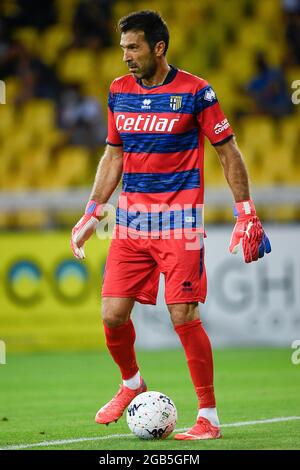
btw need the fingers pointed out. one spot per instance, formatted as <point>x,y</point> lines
<point>248,252</point>
<point>78,252</point>
<point>267,244</point>
<point>252,247</point>
<point>261,250</point>
<point>234,249</point>
<point>256,246</point>
<point>81,233</point>
<point>235,239</point>
<point>254,240</point>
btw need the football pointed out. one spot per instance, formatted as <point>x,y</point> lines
<point>152,415</point>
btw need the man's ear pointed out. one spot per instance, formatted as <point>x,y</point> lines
<point>159,48</point>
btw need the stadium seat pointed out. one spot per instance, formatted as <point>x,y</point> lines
<point>222,44</point>
<point>290,130</point>
<point>7,119</point>
<point>254,36</point>
<point>238,64</point>
<point>72,166</point>
<point>51,138</point>
<point>225,88</point>
<point>39,115</point>
<point>269,12</point>
<point>77,65</point>
<point>18,139</point>
<point>214,175</point>
<point>6,157</point>
<point>120,9</point>
<point>53,41</point>
<point>5,220</point>
<point>29,37</point>
<point>109,65</point>
<point>282,214</point>
<point>32,219</point>
<point>258,132</point>
<point>66,10</point>
<point>36,162</point>
<point>13,86</point>
<point>17,179</point>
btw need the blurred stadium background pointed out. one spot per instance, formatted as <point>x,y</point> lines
<point>57,59</point>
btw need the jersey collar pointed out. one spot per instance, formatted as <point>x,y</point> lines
<point>169,78</point>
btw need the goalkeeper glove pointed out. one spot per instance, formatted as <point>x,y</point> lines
<point>248,228</point>
<point>84,228</point>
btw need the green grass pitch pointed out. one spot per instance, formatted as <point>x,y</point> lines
<point>54,397</point>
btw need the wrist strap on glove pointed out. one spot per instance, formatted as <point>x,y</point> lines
<point>94,209</point>
<point>244,209</point>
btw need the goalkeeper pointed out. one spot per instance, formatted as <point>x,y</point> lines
<point>158,117</point>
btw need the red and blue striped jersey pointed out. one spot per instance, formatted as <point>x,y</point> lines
<point>162,131</point>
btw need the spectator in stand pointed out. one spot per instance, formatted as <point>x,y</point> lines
<point>292,30</point>
<point>8,56</point>
<point>38,80</point>
<point>291,6</point>
<point>35,13</point>
<point>82,117</point>
<point>269,90</point>
<point>92,23</point>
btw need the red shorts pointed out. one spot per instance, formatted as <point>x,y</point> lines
<point>133,267</point>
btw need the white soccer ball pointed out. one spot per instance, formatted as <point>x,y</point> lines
<point>151,415</point>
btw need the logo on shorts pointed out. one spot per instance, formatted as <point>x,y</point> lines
<point>187,286</point>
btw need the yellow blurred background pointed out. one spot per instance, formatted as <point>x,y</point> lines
<point>208,39</point>
<point>48,155</point>
<point>49,300</point>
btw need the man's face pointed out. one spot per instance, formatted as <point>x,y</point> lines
<point>138,56</point>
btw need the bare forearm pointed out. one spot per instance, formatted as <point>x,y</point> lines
<point>235,172</point>
<point>107,177</point>
<point>237,178</point>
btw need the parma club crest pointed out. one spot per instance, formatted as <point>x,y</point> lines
<point>175,102</point>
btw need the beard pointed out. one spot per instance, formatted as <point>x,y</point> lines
<point>147,70</point>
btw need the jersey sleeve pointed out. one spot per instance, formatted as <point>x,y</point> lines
<point>210,116</point>
<point>113,136</point>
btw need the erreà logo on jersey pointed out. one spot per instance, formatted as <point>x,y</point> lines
<point>146,104</point>
<point>175,102</point>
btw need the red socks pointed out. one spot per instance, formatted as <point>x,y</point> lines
<point>198,353</point>
<point>120,342</point>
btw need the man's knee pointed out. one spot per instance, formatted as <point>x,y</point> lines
<point>116,312</point>
<point>183,313</point>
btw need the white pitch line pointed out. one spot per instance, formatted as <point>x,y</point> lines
<point>118,436</point>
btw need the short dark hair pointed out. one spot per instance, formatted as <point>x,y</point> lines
<point>150,22</point>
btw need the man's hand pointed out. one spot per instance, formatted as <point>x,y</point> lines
<point>248,228</point>
<point>84,228</point>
